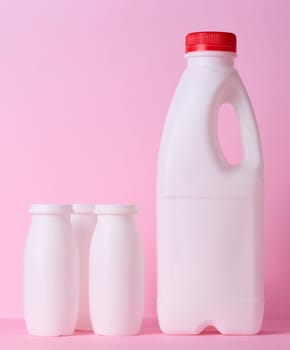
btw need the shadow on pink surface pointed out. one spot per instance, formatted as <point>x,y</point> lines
<point>270,327</point>
<point>150,326</point>
<point>275,334</point>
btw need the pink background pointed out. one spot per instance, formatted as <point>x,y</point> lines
<point>85,87</point>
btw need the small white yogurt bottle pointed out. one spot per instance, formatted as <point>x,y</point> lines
<point>50,272</point>
<point>116,291</point>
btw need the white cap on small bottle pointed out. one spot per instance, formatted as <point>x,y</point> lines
<point>50,208</point>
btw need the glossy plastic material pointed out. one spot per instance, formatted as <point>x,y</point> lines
<point>116,272</point>
<point>210,213</point>
<point>50,272</point>
<point>83,222</point>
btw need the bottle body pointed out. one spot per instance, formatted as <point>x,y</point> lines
<point>50,273</point>
<point>210,214</point>
<point>83,223</point>
<point>116,275</point>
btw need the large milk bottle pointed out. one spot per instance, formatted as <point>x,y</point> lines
<point>210,213</point>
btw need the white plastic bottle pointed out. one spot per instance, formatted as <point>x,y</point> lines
<point>210,213</point>
<point>116,272</point>
<point>83,221</point>
<point>50,272</point>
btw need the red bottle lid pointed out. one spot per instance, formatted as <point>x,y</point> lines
<point>213,41</point>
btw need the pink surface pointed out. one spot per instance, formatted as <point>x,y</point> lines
<point>85,86</point>
<point>274,335</point>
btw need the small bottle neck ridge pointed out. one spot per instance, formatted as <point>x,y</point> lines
<point>210,59</point>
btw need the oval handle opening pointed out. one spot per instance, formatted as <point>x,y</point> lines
<point>229,134</point>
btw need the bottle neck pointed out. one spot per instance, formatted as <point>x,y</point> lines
<point>115,218</point>
<point>210,59</point>
<point>65,217</point>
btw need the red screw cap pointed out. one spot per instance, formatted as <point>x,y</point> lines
<point>214,41</point>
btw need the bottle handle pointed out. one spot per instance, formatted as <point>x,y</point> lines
<point>234,93</point>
